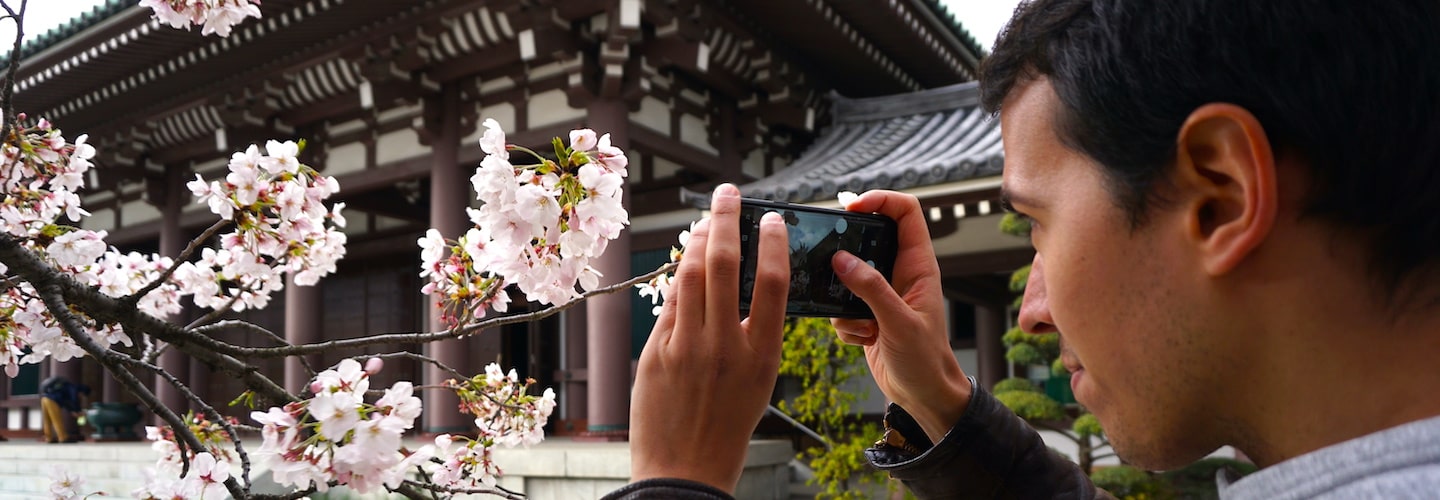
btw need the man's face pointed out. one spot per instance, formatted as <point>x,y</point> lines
<point>1118,297</point>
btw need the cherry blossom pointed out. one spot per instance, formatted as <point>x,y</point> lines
<point>538,227</point>
<point>659,286</point>
<point>216,16</point>
<point>65,484</point>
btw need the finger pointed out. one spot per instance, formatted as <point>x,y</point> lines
<point>722,257</point>
<point>855,340</point>
<point>664,323</point>
<point>868,284</point>
<point>855,326</point>
<point>689,286</point>
<point>772,287</point>
<point>913,231</point>
<point>855,331</point>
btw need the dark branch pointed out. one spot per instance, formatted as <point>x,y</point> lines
<point>107,310</point>
<point>7,94</point>
<point>190,248</point>
<point>50,293</point>
<point>392,338</point>
<point>205,408</point>
<point>497,490</point>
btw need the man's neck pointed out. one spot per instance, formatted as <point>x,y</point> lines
<point>1344,377</point>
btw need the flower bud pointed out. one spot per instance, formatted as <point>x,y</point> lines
<point>373,365</point>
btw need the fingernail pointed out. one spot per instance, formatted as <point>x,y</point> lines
<point>727,189</point>
<point>844,262</point>
<point>772,217</point>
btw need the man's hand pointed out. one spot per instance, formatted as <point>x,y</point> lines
<point>706,376</point>
<point>907,344</point>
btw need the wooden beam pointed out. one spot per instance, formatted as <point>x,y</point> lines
<point>993,261</point>
<point>678,152</point>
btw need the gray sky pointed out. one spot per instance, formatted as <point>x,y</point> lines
<point>983,18</point>
<point>41,15</point>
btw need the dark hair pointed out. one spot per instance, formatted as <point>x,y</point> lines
<point>1351,88</point>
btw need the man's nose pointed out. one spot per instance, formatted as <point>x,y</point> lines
<point>1035,309</point>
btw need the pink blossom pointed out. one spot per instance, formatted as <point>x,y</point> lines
<point>582,139</point>
<point>493,141</point>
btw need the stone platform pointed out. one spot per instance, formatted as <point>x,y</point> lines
<point>558,468</point>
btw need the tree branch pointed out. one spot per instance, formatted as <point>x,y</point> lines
<point>107,310</point>
<point>392,338</point>
<point>50,293</point>
<point>205,408</point>
<point>497,491</point>
<point>184,256</point>
<point>418,357</point>
<point>1062,431</point>
<point>7,105</point>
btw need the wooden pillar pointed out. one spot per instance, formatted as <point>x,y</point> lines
<point>302,326</point>
<point>573,405</point>
<point>608,325</point>
<point>989,350</point>
<point>730,161</point>
<point>198,378</point>
<point>110,390</point>
<point>170,197</point>
<point>449,195</point>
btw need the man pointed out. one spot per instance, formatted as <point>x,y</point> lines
<point>1236,216</point>
<point>60,401</point>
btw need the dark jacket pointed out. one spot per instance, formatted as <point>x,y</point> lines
<point>989,453</point>
<point>63,392</point>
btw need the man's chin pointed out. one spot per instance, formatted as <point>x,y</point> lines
<point>1153,457</point>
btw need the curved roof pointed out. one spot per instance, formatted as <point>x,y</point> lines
<point>75,25</point>
<point>955,27</point>
<point>891,142</point>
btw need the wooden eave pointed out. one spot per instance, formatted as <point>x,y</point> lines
<point>205,68</point>
<point>839,40</point>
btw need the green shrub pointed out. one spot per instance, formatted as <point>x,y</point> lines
<point>1014,384</point>
<point>1197,481</point>
<point>1031,405</point>
<point>1087,425</point>
<point>1125,481</point>
<point>1013,225</point>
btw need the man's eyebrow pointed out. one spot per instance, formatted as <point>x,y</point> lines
<point>1008,199</point>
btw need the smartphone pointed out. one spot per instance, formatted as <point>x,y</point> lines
<point>815,235</point>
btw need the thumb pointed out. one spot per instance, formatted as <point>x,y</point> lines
<point>868,284</point>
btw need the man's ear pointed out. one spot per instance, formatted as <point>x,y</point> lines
<point>1225,184</point>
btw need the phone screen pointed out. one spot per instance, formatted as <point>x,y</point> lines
<point>815,235</point>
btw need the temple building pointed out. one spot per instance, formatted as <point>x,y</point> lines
<point>792,101</point>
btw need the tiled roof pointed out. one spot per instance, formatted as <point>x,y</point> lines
<point>75,25</point>
<point>954,24</point>
<point>892,142</point>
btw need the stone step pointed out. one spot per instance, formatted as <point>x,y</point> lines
<point>556,468</point>
<point>111,460</point>
<point>24,487</point>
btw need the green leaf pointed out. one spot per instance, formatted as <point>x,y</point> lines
<point>1087,425</point>
<point>1026,354</point>
<point>1014,384</point>
<point>1125,481</point>
<point>1019,278</point>
<point>1047,345</point>
<point>1057,368</point>
<point>1014,225</point>
<point>559,147</point>
<point>246,398</point>
<point>1031,405</point>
